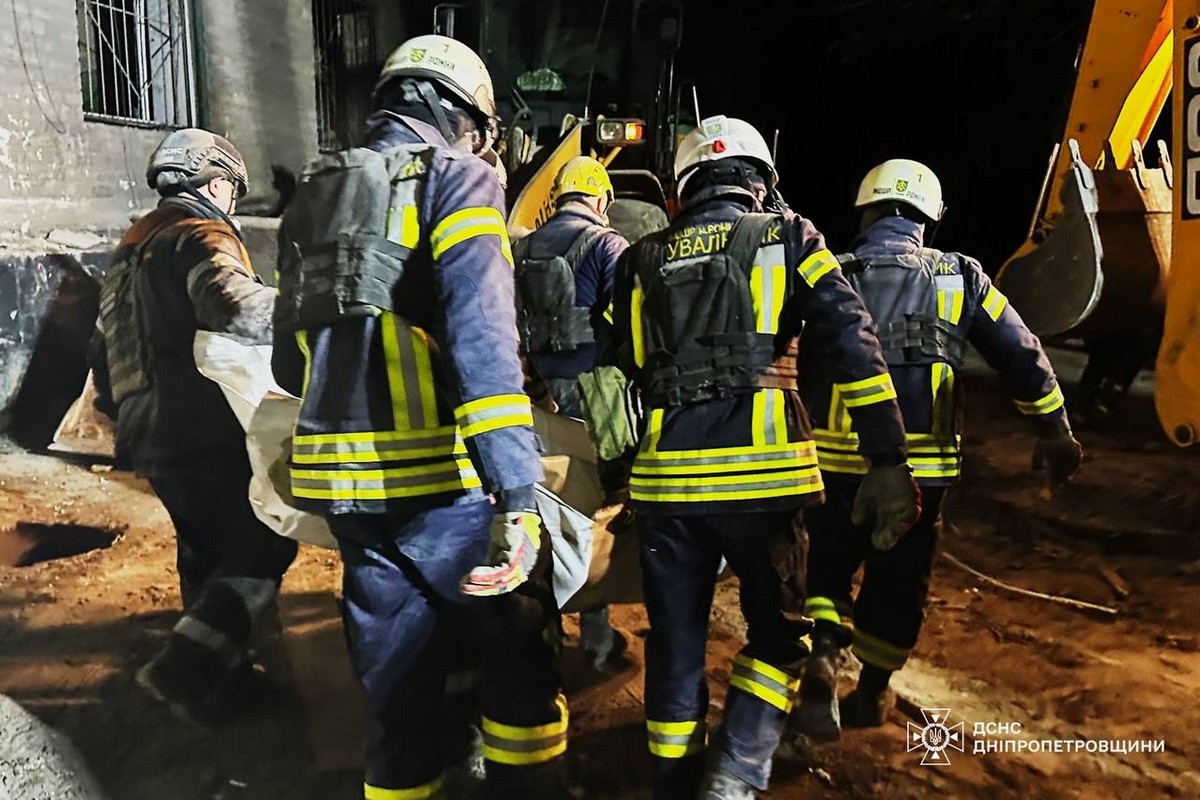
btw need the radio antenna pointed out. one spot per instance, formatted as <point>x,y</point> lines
<point>696,103</point>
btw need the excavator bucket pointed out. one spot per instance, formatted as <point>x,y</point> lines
<point>1101,267</point>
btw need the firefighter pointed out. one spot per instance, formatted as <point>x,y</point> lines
<point>179,269</point>
<point>927,305</point>
<point>415,439</point>
<point>706,314</point>
<point>564,274</point>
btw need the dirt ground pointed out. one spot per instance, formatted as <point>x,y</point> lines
<point>1126,535</point>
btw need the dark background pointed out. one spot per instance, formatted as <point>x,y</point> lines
<point>978,90</point>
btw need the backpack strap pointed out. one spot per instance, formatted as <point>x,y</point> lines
<point>584,242</point>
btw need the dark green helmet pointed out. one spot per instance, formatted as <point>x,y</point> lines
<point>196,156</point>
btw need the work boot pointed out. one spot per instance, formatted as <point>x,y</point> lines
<point>722,786</point>
<point>817,715</point>
<point>868,704</point>
<point>597,638</point>
<point>186,678</point>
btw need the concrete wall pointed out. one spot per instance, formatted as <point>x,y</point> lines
<point>255,83</point>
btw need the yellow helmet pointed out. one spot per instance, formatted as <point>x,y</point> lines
<point>583,175</point>
<point>903,181</point>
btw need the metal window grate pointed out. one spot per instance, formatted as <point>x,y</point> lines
<point>346,65</point>
<point>137,61</point>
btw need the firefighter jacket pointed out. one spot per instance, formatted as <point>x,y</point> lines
<point>179,269</point>
<point>927,305</point>
<point>722,433</point>
<point>590,251</point>
<point>423,405</point>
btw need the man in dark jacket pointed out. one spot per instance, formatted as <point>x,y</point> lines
<point>927,305</point>
<point>180,269</point>
<point>705,317</point>
<point>564,275</point>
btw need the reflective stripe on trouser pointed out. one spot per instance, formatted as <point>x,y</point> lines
<point>409,626</point>
<point>826,609</point>
<point>427,791</point>
<point>769,684</point>
<point>676,739</point>
<point>680,556</point>
<point>889,608</point>
<point>518,745</point>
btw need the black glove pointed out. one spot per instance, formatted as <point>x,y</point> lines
<point>889,501</point>
<point>1059,455</point>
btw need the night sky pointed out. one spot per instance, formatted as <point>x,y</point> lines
<point>977,90</point>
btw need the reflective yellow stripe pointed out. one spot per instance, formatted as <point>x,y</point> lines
<point>878,653</point>
<point>741,465</point>
<point>428,791</point>
<point>730,487</point>
<point>410,373</point>
<point>608,314</point>
<point>469,223</point>
<point>302,343</point>
<point>767,288</point>
<point>676,739</point>
<point>768,683</point>
<point>408,232</point>
<point>876,389</point>
<point>1047,405</point>
<point>374,437</point>
<point>817,266</point>
<point>636,334</point>
<point>382,484</point>
<point>768,420</point>
<point>994,303</point>
<point>931,456</point>
<point>798,449</point>
<point>492,413</point>
<point>518,745</point>
<point>950,305</point>
<point>822,608</point>
<point>424,368</point>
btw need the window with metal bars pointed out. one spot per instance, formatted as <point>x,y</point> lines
<point>347,66</point>
<point>137,62</point>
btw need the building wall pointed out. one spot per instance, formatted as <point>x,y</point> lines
<point>255,84</point>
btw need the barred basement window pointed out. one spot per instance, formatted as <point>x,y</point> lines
<point>137,62</point>
<point>347,66</point>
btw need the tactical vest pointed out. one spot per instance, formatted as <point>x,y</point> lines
<point>916,301</point>
<point>348,233</point>
<point>547,317</point>
<point>700,336</point>
<point>123,321</point>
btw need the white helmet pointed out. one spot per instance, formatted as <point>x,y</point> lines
<point>903,181</point>
<point>447,62</point>
<point>718,138</point>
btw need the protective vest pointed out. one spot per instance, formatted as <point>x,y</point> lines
<point>702,333</point>
<point>547,318</point>
<point>916,301</point>
<point>350,229</point>
<point>123,319</point>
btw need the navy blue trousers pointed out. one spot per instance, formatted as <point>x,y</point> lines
<point>409,627</point>
<point>680,558</point>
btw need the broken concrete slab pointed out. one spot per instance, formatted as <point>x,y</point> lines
<point>38,762</point>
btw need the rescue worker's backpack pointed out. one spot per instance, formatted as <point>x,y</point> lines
<point>123,324</point>
<point>699,325</point>
<point>347,234</point>
<point>547,317</point>
<point>916,301</point>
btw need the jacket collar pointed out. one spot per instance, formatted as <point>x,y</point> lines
<point>388,129</point>
<point>890,235</point>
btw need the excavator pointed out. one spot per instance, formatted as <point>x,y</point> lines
<point>1111,254</point>
<point>579,79</point>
